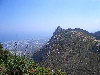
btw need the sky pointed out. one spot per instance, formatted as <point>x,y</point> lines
<point>41,17</point>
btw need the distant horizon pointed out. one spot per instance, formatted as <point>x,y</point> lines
<point>23,36</point>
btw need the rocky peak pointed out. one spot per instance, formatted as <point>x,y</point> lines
<point>58,30</point>
<point>62,40</point>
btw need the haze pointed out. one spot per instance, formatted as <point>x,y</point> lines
<point>21,19</point>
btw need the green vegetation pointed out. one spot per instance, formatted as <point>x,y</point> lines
<point>15,65</point>
<point>72,51</point>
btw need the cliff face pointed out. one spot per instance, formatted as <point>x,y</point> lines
<point>70,51</point>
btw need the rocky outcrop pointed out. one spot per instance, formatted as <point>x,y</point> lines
<point>70,51</point>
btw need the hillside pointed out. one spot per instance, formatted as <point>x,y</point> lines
<point>70,50</point>
<point>16,65</point>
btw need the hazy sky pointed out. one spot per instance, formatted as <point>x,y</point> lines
<point>43,16</point>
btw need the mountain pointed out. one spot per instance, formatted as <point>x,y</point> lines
<point>70,50</point>
<point>97,35</point>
